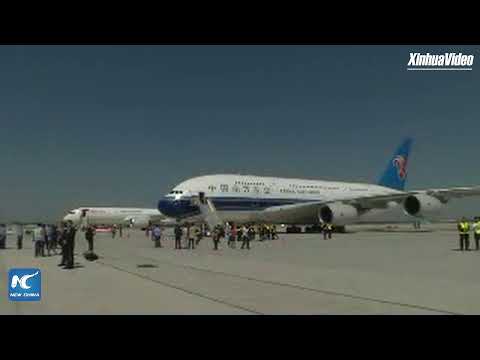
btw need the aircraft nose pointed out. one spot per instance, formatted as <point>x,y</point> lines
<point>176,207</point>
<point>167,207</point>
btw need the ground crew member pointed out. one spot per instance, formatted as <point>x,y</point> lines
<point>463,229</point>
<point>245,238</point>
<point>178,237</point>
<point>114,230</point>
<point>120,230</point>
<point>476,232</point>
<point>327,230</point>
<point>274,232</point>
<point>324,231</point>
<point>266,232</point>
<point>89,235</point>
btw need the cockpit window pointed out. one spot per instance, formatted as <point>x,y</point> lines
<point>71,212</point>
<point>176,192</point>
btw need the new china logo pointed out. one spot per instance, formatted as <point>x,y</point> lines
<point>24,284</point>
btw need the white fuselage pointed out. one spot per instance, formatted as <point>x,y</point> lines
<point>244,198</point>
<point>113,216</point>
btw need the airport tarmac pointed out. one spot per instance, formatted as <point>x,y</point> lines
<point>372,269</point>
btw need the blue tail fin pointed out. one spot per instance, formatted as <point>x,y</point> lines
<point>395,174</point>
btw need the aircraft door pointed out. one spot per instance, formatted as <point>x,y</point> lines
<point>201,197</point>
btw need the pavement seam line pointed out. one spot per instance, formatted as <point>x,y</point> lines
<point>190,292</point>
<point>328,292</point>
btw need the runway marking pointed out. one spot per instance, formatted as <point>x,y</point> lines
<point>190,292</point>
<point>300,287</point>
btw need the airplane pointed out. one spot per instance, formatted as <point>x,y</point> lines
<point>260,199</point>
<point>134,217</point>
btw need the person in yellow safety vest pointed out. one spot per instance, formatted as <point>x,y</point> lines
<point>330,230</point>
<point>464,229</point>
<point>327,231</point>
<point>476,232</point>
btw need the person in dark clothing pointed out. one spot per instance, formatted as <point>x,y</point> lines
<point>240,233</point>
<point>70,239</point>
<point>89,235</point>
<point>216,237</point>
<point>198,234</point>
<point>48,243</point>
<point>63,243</point>
<point>3,236</point>
<point>19,237</point>
<point>178,237</point>
<point>251,233</point>
<point>53,238</point>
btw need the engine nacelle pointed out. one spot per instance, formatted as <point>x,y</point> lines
<point>338,214</point>
<point>421,205</point>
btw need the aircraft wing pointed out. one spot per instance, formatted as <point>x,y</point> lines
<point>360,202</point>
<point>375,201</point>
<point>456,192</point>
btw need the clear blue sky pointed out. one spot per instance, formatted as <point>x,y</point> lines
<point>121,125</point>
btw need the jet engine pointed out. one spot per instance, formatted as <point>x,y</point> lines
<point>338,213</point>
<point>421,205</point>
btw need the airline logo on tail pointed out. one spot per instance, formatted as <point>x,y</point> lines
<point>400,163</point>
<point>395,175</point>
